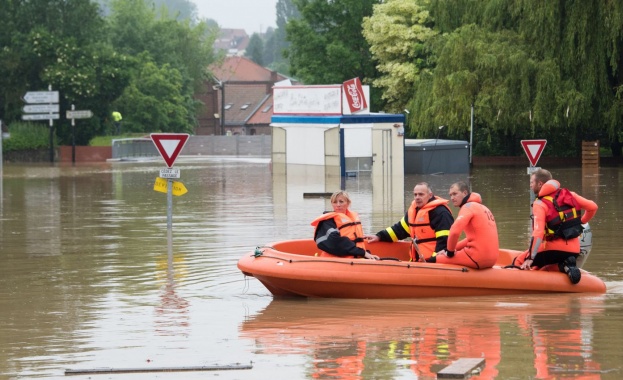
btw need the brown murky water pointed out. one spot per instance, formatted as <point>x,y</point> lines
<point>87,281</point>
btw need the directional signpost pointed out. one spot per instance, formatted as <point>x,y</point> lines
<point>41,108</point>
<point>169,146</point>
<point>37,110</point>
<point>39,97</point>
<point>43,105</point>
<point>73,115</point>
<point>41,116</point>
<point>85,114</point>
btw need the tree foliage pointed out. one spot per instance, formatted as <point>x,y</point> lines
<point>327,43</point>
<point>529,68</point>
<point>139,53</point>
<point>255,49</point>
<point>397,33</point>
<point>156,98</point>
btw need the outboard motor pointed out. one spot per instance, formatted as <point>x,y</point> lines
<point>586,244</point>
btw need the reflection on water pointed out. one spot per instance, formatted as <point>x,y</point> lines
<point>420,337</point>
<point>87,279</point>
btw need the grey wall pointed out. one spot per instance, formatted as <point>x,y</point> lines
<point>237,145</point>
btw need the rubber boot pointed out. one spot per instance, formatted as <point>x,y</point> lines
<point>570,268</point>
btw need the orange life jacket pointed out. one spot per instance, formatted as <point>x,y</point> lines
<point>348,225</point>
<point>563,215</point>
<point>421,231</point>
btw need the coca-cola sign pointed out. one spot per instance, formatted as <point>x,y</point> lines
<point>354,95</point>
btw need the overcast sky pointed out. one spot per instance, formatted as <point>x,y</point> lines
<point>251,15</point>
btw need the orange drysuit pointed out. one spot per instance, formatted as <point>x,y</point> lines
<point>480,248</point>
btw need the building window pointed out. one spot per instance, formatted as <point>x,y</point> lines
<point>245,106</point>
<point>228,105</point>
<point>267,108</point>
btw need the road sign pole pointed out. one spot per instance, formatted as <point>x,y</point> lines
<point>51,132</point>
<point>73,137</point>
<point>1,174</point>
<point>51,141</point>
<point>170,218</point>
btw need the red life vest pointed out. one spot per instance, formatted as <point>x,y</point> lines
<point>563,215</point>
<point>421,231</point>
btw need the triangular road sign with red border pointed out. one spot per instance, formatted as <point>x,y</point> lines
<point>533,149</point>
<point>169,145</point>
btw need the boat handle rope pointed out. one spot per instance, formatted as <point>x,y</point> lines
<point>258,252</point>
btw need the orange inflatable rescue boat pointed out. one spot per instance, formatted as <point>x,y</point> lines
<point>294,268</point>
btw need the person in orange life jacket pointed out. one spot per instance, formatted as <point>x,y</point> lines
<point>427,222</point>
<point>339,232</point>
<point>480,248</point>
<point>555,239</point>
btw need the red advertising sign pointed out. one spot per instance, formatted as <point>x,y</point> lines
<point>169,145</point>
<point>533,149</point>
<point>354,95</point>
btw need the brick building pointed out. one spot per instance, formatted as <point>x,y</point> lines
<point>242,91</point>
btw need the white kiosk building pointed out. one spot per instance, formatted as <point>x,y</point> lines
<point>329,128</point>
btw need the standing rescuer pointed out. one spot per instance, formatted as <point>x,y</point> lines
<point>116,118</point>
<point>557,226</point>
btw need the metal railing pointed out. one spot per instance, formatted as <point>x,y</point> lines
<point>133,148</point>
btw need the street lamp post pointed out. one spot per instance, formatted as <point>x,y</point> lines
<point>221,115</point>
<point>222,108</point>
<point>471,136</point>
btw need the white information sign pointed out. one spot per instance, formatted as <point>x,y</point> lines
<point>84,114</point>
<point>41,97</point>
<point>307,100</point>
<point>40,108</point>
<point>170,173</point>
<point>41,116</point>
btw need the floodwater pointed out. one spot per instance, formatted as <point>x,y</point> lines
<point>90,279</point>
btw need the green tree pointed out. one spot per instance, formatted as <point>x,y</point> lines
<point>529,68</point>
<point>397,33</point>
<point>179,9</point>
<point>327,44</point>
<point>276,44</point>
<point>155,100</point>
<point>58,43</point>
<point>255,49</point>
<point>175,47</point>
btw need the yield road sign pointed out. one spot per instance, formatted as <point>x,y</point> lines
<point>41,97</point>
<point>85,114</point>
<point>533,149</point>
<point>41,116</point>
<point>169,145</point>
<point>40,108</point>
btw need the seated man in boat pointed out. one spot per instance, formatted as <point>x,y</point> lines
<point>427,222</point>
<point>556,226</point>
<point>339,232</point>
<point>480,248</point>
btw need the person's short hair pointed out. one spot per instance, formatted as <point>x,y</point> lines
<point>338,193</point>
<point>430,189</point>
<point>542,175</point>
<point>461,185</point>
